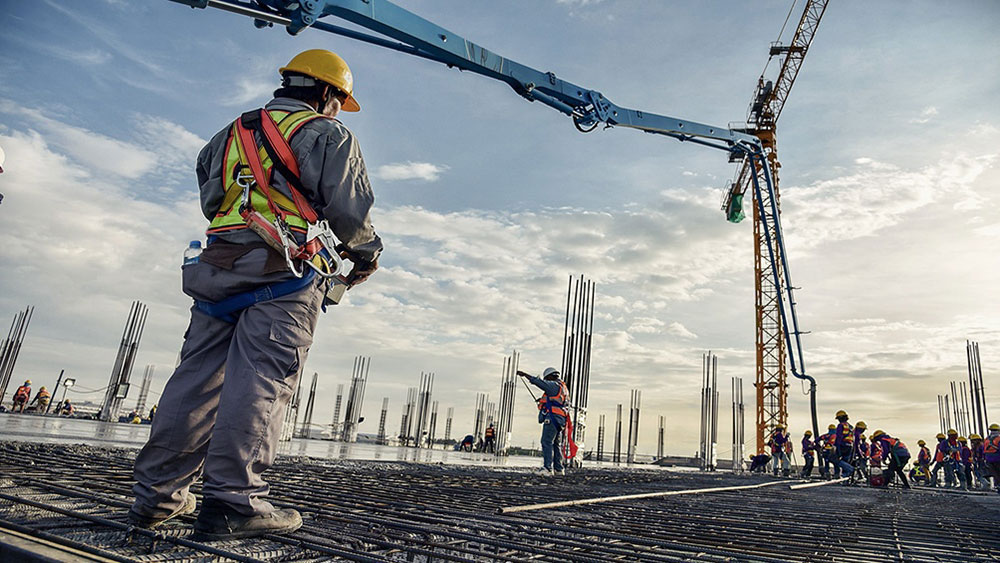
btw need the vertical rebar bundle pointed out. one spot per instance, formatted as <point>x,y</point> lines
<point>12,347</point>
<point>409,410</point>
<point>381,422</point>
<point>447,424</point>
<point>600,438</point>
<point>508,390</point>
<point>661,435</point>
<point>335,431</point>
<point>423,412</point>
<point>633,425</point>
<point>980,417</point>
<point>738,428</point>
<point>617,458</point>
<point>147,380</point>
<point>577,338</point>
<point>708,449</point>
<point>306,429</point>
<point>355,397</point>
<point>291,415</point>
<point>432,428</point>
<point>480,421</point>
<point>118,383</point>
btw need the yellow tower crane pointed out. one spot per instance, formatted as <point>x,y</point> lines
<point>768,101</point>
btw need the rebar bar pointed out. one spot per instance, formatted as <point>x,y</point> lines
<point>11,347</point>
<point>118,384</point>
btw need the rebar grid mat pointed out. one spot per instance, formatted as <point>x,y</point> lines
<point>378,511</point>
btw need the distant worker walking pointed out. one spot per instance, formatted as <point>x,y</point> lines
<point>779,455</point>
<point>552,415</point>
<point>808,453</point>
<point>273,184</point>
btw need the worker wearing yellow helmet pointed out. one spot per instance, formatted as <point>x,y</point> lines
<point>924,459</point>
<point>843,450</point>
<point>286,193</point>
<point>991,454</point>
<point>42,399</point>
<point>825,442</point>
<point>980,475</point>
<point>896,453</point>
<point>809,448</point>
<point>21,396</point>
<point>779,443</point>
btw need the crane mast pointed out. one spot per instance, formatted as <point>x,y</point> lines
<point>768,101</point>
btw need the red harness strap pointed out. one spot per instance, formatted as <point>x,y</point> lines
<point>276,144</point>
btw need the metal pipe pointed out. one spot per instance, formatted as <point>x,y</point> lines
<point>544,505</point>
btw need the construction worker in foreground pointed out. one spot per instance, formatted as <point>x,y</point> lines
<point>991,453</point>
<point>896,452</point>
<point>281,170</point>
<point>42,399</point>
<point>552,416</point>
<point>21,396</point>
<point>808,453</point>
<point>843,443</point>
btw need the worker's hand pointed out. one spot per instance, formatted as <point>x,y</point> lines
<point>523,374</point>
<point>362,271</point>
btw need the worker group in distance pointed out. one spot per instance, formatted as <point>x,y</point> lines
<point>845,451</point>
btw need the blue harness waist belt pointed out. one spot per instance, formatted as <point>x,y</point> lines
<point>224,310</point>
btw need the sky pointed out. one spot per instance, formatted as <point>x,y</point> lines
<point>889,145</point>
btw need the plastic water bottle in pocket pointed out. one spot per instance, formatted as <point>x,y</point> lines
<point>191,253</point>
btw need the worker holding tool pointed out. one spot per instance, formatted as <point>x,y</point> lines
<point>42,399</point>
<point>965,461</point>
<point>991,453</point>
<point>808,453</point>
<point>943,460</point>
<point>955,458</point>
<point>843,443</point>
<point>860,451</point>
<point>552,415</point>
<point>896,452</point>
<point>21,396</point>
<point>277,186</point>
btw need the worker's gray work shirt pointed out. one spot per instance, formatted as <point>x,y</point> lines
<point>332,172</point>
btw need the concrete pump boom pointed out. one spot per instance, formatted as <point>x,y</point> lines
<point>411,34</point>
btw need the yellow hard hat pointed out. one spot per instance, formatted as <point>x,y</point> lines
<point>840,414</point>
<point>861,424</point>
<point>921,443</point>
<point>962,439</point>
<point>940,436</point>
<point>971,436</point>
<point>779,426</point>
<point>326,66</point>
<point>42,388</point>
<point>876,434</point>
<point>832,427</point>
<point>809,433</point>
<point>952,432</point>
<point>27,382</point>
<point>994,426</point>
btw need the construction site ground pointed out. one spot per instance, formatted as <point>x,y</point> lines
<point>69,503</point>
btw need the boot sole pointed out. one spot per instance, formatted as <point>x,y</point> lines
<point>211,536</point>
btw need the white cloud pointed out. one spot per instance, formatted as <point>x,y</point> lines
<point>677,329</point>
<point>925,115</point>
<point>409,170</point>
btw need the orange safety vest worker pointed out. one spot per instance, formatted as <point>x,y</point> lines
<point>490,432</point>
<point>555,405</point>
<point>23,393</point>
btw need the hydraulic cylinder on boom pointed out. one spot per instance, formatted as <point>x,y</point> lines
<point>407,32</point>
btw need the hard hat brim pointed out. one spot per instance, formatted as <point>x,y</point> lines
<point>350,104</point>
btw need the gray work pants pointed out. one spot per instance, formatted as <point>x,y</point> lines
<point>222,410</point>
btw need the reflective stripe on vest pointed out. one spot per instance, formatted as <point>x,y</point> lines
<point>554,405</point>
<point>228,218</point>
<point>992,444</point>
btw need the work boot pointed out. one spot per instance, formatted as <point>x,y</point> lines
<point>545,472</point>
<point>217,521</point>
<point>143,521</point>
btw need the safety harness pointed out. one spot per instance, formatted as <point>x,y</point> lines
<point>552,406</point>
<point>275,218</point>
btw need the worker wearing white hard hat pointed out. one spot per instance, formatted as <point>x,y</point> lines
<point>552,415</point>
